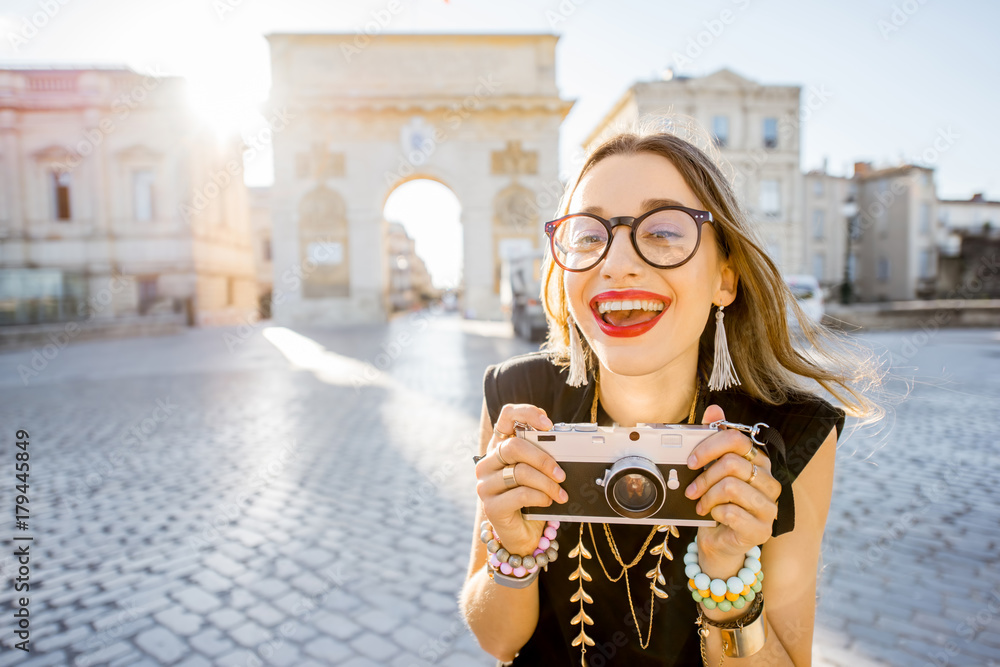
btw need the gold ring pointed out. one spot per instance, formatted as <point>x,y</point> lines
<point>503,436</point>
<point>504,461</point>
<point>753,474</point>
<point>751,453</point>
<point>508,477</point>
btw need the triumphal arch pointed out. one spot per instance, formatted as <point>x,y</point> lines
<point>366,113</point>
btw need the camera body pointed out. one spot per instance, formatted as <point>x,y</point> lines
<point>622,474</point>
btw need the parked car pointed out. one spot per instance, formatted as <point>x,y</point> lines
<point>520,288</point>
<point>809,295</point>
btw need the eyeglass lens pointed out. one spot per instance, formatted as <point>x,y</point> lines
<point>664,238</point>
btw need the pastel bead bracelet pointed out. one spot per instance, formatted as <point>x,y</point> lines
<point>520,566</point>
<point>727,594</point>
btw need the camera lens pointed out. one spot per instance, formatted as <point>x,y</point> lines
<point>634,492</point>
<point>634,487</point>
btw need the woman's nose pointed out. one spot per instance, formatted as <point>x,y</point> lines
<point>621,258</point>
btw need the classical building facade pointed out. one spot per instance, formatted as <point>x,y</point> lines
<point>478,113</point>
<point>111,190</point>
<point>898,232</point>
<point>828,204</point>
<point>410,284</point>
<point>756,130</point>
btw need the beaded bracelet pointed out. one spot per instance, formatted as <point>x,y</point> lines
<point>514,570</point>
<point>727,594</point>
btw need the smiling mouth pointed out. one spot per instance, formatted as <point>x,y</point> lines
<point>629,312</point>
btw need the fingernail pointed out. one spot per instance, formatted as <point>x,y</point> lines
<point>563,496</point>
<point>689,492</point>
<point>697,509</point>
<point>546,422</point>
<point>559,474</point>
<point>691,461</point>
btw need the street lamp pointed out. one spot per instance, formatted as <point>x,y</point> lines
<point>850,212</point>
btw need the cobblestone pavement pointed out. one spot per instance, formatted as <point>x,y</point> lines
<point>238,497</point>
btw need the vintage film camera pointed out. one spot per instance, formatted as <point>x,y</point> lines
<point>622,474</point>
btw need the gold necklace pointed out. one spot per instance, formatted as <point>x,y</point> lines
<point>660,550</point>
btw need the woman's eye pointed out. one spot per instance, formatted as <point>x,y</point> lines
<point>665,234</point>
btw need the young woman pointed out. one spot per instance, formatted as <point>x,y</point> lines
<point>662,307</point>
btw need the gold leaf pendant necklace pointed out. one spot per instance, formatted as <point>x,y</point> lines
<point>655,575</point>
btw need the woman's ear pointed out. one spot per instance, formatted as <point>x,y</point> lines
<point>728,284</point>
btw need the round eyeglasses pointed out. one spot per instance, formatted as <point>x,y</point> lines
<point>665,237</point>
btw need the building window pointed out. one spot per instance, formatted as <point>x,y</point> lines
<point>266,250</point>
<point>59,186</point>
<point>819,216</point>
<point>720,128</point>
<point>883,269</point>
<point>770,133</point>
<point>818,187</point>
<point>925,218</point>
<point>147,293</point>
<point>819,266</point>
<point>142,194</point>
<point>770,198</point>
<point>926,263</point>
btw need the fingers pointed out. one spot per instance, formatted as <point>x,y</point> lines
<point>713,413</point>
<point>726,440</point>
<point>524,475</point>
<point>734,491</point>
<point>734,465</point>
<point>521,412</point>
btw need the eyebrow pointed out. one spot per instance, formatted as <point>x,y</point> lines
<point>647,205</point>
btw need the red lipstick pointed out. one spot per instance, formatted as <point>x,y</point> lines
<point>630,294</point>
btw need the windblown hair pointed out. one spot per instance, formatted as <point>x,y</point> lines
<point>769,365</point>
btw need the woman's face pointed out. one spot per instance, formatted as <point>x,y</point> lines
<point>625,185</point>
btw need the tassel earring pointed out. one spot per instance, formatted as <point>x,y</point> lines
<point>723,370</point>
<point>577,365</point>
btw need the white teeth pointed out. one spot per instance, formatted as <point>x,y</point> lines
<point>606,306</point>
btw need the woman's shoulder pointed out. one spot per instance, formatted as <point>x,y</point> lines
<point>533,378</point>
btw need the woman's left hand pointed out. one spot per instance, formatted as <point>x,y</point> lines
<point>745,511</point>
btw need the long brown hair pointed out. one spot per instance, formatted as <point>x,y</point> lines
<point>760,339</point>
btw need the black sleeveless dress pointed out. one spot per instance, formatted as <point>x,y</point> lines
<point>804,424</point>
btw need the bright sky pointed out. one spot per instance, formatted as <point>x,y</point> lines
<point>899,73</point>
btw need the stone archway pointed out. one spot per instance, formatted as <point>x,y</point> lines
<point>480,113</point>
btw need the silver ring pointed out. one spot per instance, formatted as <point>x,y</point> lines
<point>509,480</point>
<point>753,474</point>
<point>504,461</point>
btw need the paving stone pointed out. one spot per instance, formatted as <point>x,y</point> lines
<point>104,655</point>
<point>211,581</point>
<point>264,614</point>
<point>197,600</point>
<point>249,635</point>
<point>226,618</point>
<point>211,642</point>
<point>374,646</point>
<point>194,661</point>
<point>378,621</point>
<point>179,620</point>
<point>327,650</point>
<point>162,644</point>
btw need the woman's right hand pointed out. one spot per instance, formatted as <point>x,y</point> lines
<point>536,472</point>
